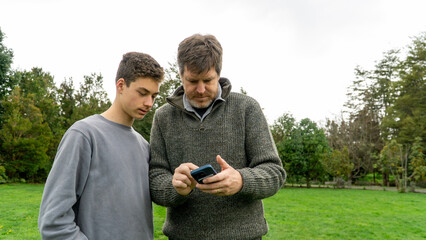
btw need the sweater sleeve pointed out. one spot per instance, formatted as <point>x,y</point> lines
<point>160,173</point>
<point>63,188</point>
<point>264,175</point>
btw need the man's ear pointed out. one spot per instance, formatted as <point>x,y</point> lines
<point>120,84</point>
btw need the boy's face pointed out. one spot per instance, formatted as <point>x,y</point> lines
<point>200,89</point>
<point>137,99</point>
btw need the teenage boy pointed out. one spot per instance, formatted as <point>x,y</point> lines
<point>98,187</point>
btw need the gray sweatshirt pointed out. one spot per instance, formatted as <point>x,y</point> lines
<point>237,130</point>
<point>98,187</point>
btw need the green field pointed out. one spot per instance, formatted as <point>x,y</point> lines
<point>293,213</point>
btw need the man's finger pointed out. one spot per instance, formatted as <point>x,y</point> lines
<point>223,164</point>
<point>186,168</point>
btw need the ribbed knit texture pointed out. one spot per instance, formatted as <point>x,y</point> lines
<point>237,131</point>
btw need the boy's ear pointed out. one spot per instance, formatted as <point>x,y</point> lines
<point>120,85</point>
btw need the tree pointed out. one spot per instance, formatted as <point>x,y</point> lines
<point>289,146</point>
<point>384,77</point>
<point>90,98</point>
<point>40,87</point>
<point>3,177</point>
<point>362,127</point>
<point>371,96</point>
<point>358,92</point>
<point>25,138</point>
<point>406,117</point>
<point>360,136</point>
<point>392,158</point>
<point>66,98</point>
<point>6,58</point>
<point>418,161</point>
<point>338,165</point>
<point>366,143</point>
<point>6,85</point>
<point>315,147</point>
<point>283,127</point>
<point>301,146</point>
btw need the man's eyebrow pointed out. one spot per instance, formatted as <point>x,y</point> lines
<point>197,79</point>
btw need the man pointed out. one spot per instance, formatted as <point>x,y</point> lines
<point>98,187</point>
<point>205,123</point>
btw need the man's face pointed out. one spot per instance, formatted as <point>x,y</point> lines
<point>200,89</point>
<point>137,99</point>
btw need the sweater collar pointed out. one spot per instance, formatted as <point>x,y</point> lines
<point>176,99</point>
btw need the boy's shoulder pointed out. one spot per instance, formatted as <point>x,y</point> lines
<point>86,123</point>
<point>89,126</point>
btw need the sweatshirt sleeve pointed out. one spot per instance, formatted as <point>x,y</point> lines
<point>265,174</point>
<point>160,174</point>
<point>63,188</point>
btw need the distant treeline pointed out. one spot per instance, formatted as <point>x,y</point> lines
<point>381,132</point>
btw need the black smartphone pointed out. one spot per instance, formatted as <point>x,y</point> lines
<point>203,172</point>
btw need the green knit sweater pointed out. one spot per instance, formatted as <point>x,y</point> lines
<point>235,129</point>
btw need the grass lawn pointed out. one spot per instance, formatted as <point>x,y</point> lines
<point>296,213</point>
<point>293,213</point>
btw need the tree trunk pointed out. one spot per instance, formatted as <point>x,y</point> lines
<point>385,178</point>
<point>308,182</point>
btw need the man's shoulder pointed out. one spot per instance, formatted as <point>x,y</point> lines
<point>240,96</point>
<point>165,109</point>
<point>241,100</point>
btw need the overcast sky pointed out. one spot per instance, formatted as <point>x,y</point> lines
<point>294,57</point>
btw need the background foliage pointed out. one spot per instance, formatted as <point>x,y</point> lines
<point>380,135</point>
<point>381,131</point>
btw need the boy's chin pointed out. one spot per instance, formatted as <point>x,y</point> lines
<point>139,118</point>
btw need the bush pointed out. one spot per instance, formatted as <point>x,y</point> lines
<point>421,184</point>
<point>3,177</point>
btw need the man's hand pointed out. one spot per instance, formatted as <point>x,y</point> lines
<point>182,180</point>
<point>226,183</point>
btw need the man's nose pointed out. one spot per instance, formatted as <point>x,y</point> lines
<point>201,87</point>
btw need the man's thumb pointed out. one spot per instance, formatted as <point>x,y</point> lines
<point>222,162</point>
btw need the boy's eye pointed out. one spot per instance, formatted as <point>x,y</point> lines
<point>142,94</point>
